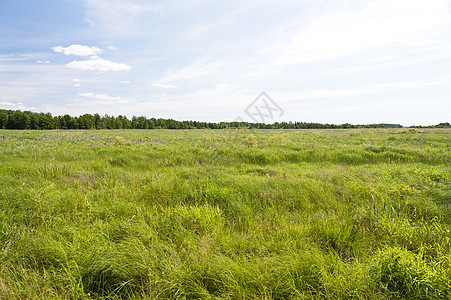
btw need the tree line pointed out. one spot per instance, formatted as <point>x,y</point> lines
<point>16,119</point>
<point>441,125</point>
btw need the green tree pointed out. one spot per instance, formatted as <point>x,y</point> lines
<point>72,124</point>
<point>45,121</point>
<point>87,121</point>
<point>118,124</point>
<point>126,124</point>
<point>18,120</point>
<point>3,119</point>
<point>97,121</point>
<point>34,121</point>
<point>61,122</point>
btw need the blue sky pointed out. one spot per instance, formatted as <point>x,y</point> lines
<point>326,61</point>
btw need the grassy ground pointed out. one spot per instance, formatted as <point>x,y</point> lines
<point>236,214</point>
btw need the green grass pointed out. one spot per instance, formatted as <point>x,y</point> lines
<point>237,214</point>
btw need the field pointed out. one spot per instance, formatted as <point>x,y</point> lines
<point>225,214</point>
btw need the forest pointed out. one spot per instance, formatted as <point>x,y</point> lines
<point>16,119</point>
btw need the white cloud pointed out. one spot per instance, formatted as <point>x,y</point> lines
<point>15,106</point>
<point>164,86</point>
<point>78,50</point>
<point>77,85</point>
<point>112,48</point>
<point>43,62</point>
<point>104,97</point>
<point>76,80</point>
<point>125,81</point>
<point>100,64</point>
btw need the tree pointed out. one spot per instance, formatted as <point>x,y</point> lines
<point>34,121</point>
<point>46,121</point>
<point>18,120</point>
<point>86,121</point>
<point>97,121</point>
<point>3,119</point>
<point>72,124</point>
<point>118,124</point>
<point>126,124</point>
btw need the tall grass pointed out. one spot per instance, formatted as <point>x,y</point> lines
<point>237,214</point>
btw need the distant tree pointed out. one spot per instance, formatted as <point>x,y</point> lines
<point>3,119</point>
<point>87,121</point>
<point>46,121</point>
<point>97,119</point>
<point>72,124</point>
<point>109,122</point>
<point>61,122</point>
<point>443,125</point>
<point>118,124</point>
<point>34,121</point>
<point>141,123</point>
<point>18,120</point>
<point>134,122</point>
<point>126,123</point>
<point>30,120</point>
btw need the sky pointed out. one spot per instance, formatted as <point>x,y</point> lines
<point>327,61</point>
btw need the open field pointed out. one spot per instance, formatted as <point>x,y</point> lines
<point>226,214</point>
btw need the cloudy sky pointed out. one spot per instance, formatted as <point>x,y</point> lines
<point>329,61</point>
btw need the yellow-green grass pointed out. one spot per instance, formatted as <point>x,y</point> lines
<point>227,214</point>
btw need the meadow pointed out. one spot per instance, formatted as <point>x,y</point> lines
<point>225,214</point>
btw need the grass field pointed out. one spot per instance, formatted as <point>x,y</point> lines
<point>230,214</point>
